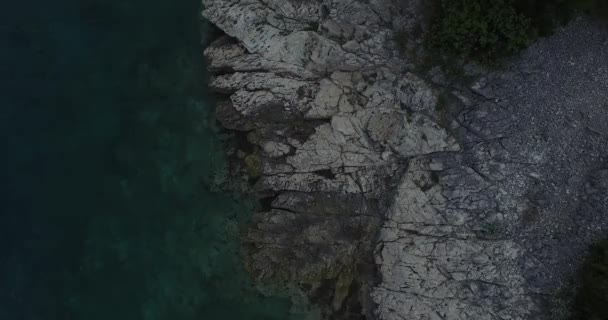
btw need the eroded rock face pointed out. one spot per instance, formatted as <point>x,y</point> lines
<point>319,90</point>
<point>365,173</point>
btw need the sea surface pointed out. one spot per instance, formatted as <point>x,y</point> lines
<point>111,160</point>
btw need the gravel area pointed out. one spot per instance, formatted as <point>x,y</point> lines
<point>554,152</point>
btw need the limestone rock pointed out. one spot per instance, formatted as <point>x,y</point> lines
<point>361,165</point>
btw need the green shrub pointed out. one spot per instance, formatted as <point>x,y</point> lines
<point>479,29</point>
<point>545,15</point>
<point>592,298</point>
<point>596,8</point>
<point>485,30</point>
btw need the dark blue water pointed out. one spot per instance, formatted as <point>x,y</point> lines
<point>111,157</point>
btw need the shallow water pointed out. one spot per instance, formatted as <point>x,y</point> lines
<point>111,158</point>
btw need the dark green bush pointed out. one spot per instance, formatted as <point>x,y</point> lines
<point>479,29</point>
<point>485,30</point>
<point>596,8</point>
<point>592,298</point>
<point>545,15</point>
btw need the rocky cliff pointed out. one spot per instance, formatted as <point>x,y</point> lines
<point>392,194</point>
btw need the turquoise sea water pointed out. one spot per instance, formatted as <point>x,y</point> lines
<point>110,161</point>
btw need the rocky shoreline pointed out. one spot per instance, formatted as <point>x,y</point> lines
<point>394,194</point>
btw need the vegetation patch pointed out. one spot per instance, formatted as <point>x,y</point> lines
<point>591,301</point>
<point>479,29</point>
<point>486,31</point>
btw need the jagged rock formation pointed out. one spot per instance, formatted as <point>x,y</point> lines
<point>313,85</point>
<point>362,163</point>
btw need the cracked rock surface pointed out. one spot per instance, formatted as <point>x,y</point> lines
<point>383,201</point>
